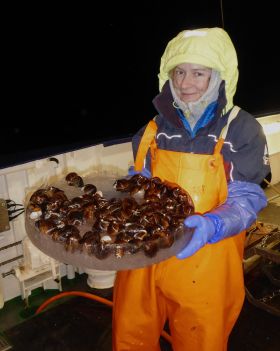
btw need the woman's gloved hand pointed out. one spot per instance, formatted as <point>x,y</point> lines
<point>238,212</point>
<point>204,230</point>
<point>145,172</point>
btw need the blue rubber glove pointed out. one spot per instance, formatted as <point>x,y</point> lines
<point>145,172</point>
<point>238,213</point>
<point>204,230</point>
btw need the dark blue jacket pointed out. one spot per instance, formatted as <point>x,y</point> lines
<point>244,151</point>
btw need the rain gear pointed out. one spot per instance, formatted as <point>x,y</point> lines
<point>202,295</point>
<point>209,47</point>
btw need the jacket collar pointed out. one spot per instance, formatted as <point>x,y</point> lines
<point>163,103</point>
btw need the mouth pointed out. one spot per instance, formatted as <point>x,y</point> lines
<point>188,96</point>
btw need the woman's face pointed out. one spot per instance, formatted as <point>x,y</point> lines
<point>190,81</point>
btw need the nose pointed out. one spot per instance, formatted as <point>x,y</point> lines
<point>187,81</point>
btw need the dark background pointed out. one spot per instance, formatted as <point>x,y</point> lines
<point>78,75</point>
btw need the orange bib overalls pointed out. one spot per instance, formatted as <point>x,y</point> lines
<point>202,295</point>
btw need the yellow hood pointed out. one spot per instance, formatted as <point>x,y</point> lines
<point>210,47</point>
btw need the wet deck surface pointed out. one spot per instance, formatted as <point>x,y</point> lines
<point>78,324</point>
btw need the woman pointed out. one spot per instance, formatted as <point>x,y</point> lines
<point>218,153</point>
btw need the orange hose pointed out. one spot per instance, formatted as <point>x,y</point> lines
<point>107,302</point>
<point>74,293</point>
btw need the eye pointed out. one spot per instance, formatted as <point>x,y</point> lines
<point>199,74</point>
<point>202,73</point>
<point>178,72</point>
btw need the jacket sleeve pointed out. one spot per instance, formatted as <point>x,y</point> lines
<point>245,149</point>
<point>240,210</point>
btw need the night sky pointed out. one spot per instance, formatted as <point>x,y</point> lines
<point>99,66</point>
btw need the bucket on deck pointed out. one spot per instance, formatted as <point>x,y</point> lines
<point>100,279</point>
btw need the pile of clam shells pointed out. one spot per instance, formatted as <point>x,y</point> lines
<point>146,217</point>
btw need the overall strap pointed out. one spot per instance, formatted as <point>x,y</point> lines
<point>223,135</point>
<point>231,117</point>
<point>147,141</point>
